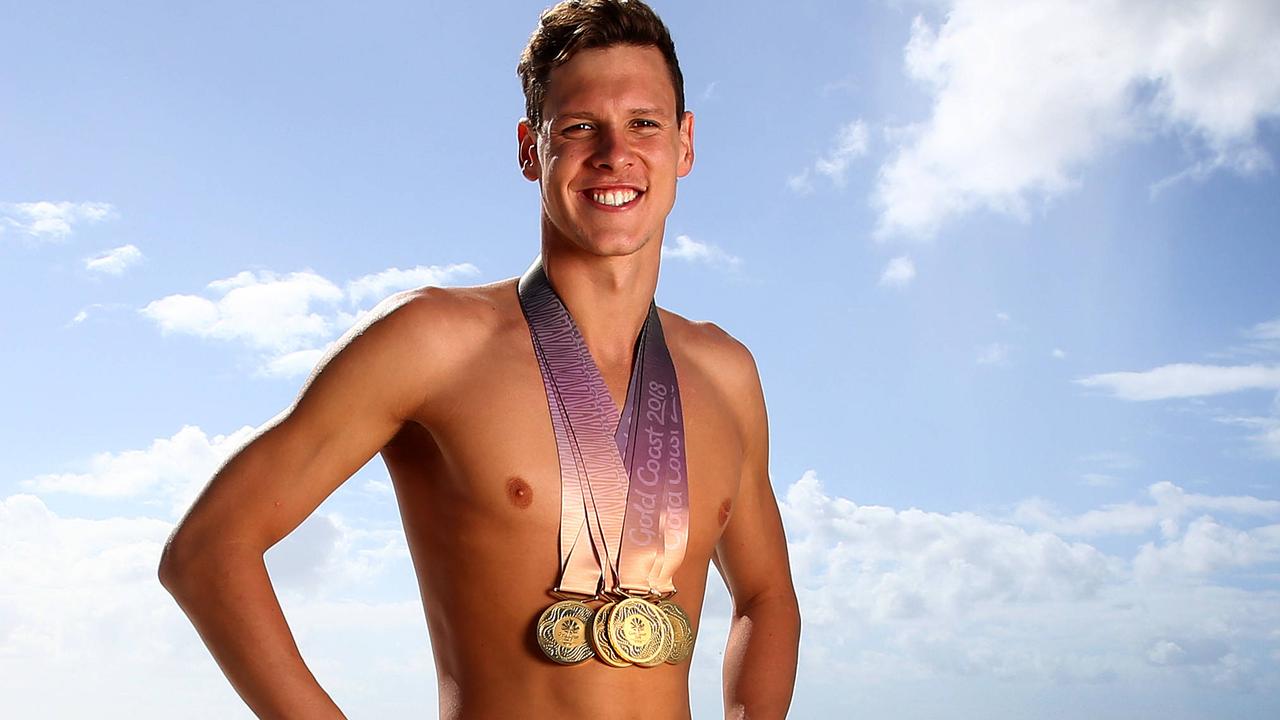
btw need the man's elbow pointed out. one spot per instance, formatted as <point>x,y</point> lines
<point>173,558</point>
<point>780,606</point>
<point>790,611</point>
<point>185,558</point>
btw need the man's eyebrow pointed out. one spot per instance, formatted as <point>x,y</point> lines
<point>588,115</point>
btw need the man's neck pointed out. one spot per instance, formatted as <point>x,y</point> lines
<point>608,297</point>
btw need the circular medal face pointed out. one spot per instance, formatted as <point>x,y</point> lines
<point>682,632</point>
<point>638,631</point>
<point>562,632</point>
<point>668,638</point>
<point>598,636</point>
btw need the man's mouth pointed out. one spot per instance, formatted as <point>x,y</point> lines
<point>613,197</point>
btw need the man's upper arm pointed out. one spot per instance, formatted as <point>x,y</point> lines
<point>752,552</point>
<point>356,400</point>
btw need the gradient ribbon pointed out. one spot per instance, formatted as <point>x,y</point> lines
<point>624,500</point>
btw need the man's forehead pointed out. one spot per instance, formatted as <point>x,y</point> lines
<point>626,78</point>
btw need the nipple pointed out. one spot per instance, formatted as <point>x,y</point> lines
<point>725,507</point>
<point>519,493</point>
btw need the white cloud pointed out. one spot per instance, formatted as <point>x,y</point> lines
<point>1098,479</point>
<point>697,251</point>
<point>1266,433</point>
<point>327,553</point>
<point>288,319</point>
<point>114,261</point>
<point>171,469</point>
<point>74,587</point>
<point>898,564</point>
<point>849,144</point>
<point>1187,651</point>
<point>1169,503</point>
<point>1196,380</point>
<point>1112,459</point>
<point>1269,439</point>
<point>294,364</point>
<point>1208,547</point>
<point>171,473</point>
<point>92,309</point>
<point>996,353</point>
<point>800,184</point>
<point>46,220</point>
<point>1025,94</point>
<point>1183,380</point>
<point>892,597</point>
<point>900,271</point>
<point>1263,339</point>
<point>1244,161</point>
<point>82,608</point>
<point>1268,331</point>
<point>379,285</point>
<point>263,310</point>
<point>1058,353</point>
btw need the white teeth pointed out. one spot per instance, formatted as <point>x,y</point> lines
<point>614,198</point>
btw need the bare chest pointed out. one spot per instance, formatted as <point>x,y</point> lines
<point>479,477</point>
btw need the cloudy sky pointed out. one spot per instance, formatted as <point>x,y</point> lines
<point>1009,270</point>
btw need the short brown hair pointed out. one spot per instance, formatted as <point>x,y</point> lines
<point>574,25</point>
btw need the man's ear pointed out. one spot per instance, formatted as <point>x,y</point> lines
<point>685,163</point>
<point>527,139</point>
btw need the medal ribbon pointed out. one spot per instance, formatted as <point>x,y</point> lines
<point>623,475</point>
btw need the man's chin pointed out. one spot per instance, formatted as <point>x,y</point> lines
<point>605,241</point>
<point>612,244</point>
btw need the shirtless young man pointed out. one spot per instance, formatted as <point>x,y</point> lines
<point>445,384</point>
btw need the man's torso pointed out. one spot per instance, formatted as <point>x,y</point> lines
<point>477,480</point>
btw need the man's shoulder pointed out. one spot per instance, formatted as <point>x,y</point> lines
<point>459,302</point>
<point>711,348</point>
<point>433,324</point>
<point>458,312</point>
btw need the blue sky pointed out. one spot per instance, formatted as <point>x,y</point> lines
<point>1009,271</point>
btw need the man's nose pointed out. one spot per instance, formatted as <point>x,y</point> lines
<point>613,150</point>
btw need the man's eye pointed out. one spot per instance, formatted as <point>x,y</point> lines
<point>647,123</point>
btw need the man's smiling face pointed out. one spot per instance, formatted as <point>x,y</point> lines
<point>609,149</point>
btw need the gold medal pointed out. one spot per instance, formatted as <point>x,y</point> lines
<point>598,636</point>
<point>682,632</point>
<point>638,631</point>
<point>668,636</point>
<point>562,632</point>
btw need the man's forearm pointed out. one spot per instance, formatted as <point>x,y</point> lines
<point>230,601</point>
<point>760,659</point>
